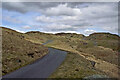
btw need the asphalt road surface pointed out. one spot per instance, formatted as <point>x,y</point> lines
<point>41,68</point>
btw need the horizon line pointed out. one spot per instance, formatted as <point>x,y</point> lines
<point>56,32</point>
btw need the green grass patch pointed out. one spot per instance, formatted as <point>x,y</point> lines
<point>74,66</point>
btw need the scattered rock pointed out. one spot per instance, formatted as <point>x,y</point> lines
<point>93,63</point>
<point>19,60</point>
<point>31,54</point>
<point>76,69</point>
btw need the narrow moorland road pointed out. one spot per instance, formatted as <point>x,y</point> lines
<point>42,68</point>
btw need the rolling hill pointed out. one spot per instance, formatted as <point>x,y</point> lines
<point>20,49</point>
<point>106,40</point>
<point>101,48</point>
<point>102,45</point>
<point>18,52</point>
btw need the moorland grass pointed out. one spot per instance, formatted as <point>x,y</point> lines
<point>18,52</point>
<point>74,66</point>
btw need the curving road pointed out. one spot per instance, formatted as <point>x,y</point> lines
<point>42,68</point>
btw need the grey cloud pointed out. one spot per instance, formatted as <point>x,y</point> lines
<point>68,29</point>
<point>100,11</point>
<point>102,14</point>
<point>24,7</point>
<point>41,5</point>
<point>14,6</point>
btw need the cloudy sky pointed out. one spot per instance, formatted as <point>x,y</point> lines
<point>53,17</point>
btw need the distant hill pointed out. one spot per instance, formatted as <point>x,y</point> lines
<point>17,52</point>
<point>93,36</point>
<point>37,32</point>
<point>103,36</point>
<point>107,40</point>
<point>38,37</point>
<point>75,35</point>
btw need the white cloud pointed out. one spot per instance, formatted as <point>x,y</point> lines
<point>71,32</point>
<point>57,26</point>
<point>55,19</point>
<point>44,19</point>
<point>67,16</point>
<point>54,32</point>
<point>100,10</point>
<point>112,29</point>
<point>20,31</point>
<point>62,9</point>
<point>88,31</point>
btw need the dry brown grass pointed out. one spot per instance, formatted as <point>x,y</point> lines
<point>18,52</point>
<point>74,66</point>
<point>104,53</point>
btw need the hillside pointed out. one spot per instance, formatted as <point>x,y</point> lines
<point>101,48</point>
<point>38,37</point>
<point>17,52</point>
<point>75,66</point>
<point>106,40</point>
<point>102,45</point>
<point>72,35</point>
<point>103,36</point>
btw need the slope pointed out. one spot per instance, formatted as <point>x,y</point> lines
<point>17,52</point>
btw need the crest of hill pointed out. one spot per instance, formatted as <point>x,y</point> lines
<point>50,35</point>
<point>37,32</point>
<point>9,30</point>
<point>103,36</point>
<point>71,35</point>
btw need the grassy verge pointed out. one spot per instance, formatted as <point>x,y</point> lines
<point>74,66</point>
